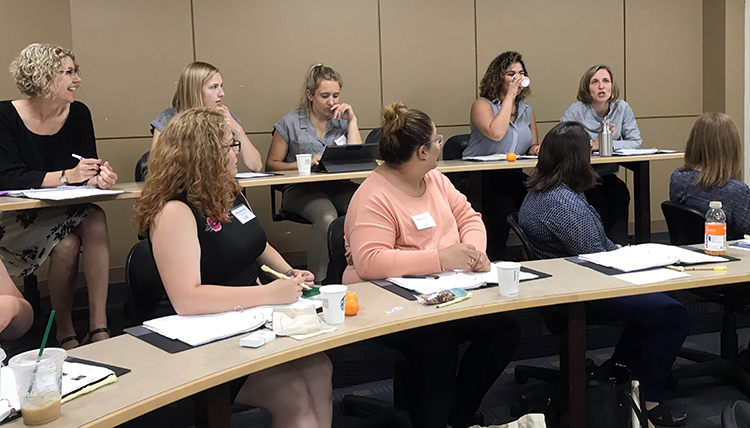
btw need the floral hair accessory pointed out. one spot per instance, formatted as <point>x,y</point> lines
<point>212,225</point>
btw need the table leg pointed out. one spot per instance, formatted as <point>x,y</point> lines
<point>573,366</point>
<point>475,190</point>
<point>641,199</point>
<point>212,408</point>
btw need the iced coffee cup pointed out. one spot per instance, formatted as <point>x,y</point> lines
<point>39,384</point>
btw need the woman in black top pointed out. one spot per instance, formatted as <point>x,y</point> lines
<point>207,245</point>
<point>47,140</point>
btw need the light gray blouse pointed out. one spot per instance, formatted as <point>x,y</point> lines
<point>516,140</point>
<point>299,133</point>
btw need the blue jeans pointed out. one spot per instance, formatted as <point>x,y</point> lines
<point>656,327</point>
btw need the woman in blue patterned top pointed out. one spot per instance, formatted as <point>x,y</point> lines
<point>559,222</point>
<point>712,172</point>
<point>501,122</point>
<point>597,100</point>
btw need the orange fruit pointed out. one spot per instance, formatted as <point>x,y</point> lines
<point>511,157</point>
<point>352,304</point>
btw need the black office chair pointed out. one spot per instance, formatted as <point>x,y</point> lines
<point>528,250</point>
<point>146,295</point>
<point>686,225</point>
<point>736,415</point>
<point>362,362</point>
<point>141,167</point>
<point>454,147</point>
<point>278,213</point>
<point>373,137</point>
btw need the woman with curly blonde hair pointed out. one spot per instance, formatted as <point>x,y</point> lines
<point>47,140</point>
<point>502,122</point>
<point>207,245</point>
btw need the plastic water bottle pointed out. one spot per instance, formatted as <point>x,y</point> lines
<point>715,242</point>
<point>605,139</point>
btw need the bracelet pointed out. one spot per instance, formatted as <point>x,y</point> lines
<point>289,272</point>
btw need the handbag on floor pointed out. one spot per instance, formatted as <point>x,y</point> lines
<point>609,398</point>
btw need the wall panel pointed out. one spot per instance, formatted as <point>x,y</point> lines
<point>559,41</point>
<point>265,48</point>
<point>428,57</point>
<point>25,22</point>
<point>664,57</point>
<point>131,54</point>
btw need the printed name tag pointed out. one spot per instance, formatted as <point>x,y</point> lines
<point>341,141</point>
<point>423,221</point>
<point>242,213</point>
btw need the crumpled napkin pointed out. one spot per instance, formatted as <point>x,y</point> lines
<point>299,323</point>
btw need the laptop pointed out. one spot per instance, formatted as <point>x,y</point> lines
<point>349,158</point>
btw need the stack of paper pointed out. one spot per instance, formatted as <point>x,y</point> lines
<point>197,330</point>
<point>645,256</point>
<point>742,244</point>
<point>63,193</point>
<point>252,175</point>
<point>486,158</point>
<point>447,280</point>
<point>635,152</point>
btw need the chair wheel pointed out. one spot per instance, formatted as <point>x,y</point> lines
<point>518,410</point>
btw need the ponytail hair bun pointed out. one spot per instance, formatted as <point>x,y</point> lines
<point>402,132</point>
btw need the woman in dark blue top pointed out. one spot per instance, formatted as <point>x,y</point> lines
<point>208,244</point>
<point>559,222</point>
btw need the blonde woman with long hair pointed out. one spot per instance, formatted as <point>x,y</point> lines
<point>208,244</point>
<point>201,85</point>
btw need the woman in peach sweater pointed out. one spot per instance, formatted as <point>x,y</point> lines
<point>407,218</point>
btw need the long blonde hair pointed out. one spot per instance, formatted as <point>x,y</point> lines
<point>190,159</point>
<point>714,149</point>
<point>190,85</point>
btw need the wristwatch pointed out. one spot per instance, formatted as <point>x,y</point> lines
<point>63,178</point>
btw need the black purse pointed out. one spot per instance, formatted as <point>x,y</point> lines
<point>609,399</point>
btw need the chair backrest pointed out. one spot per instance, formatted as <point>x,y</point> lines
<point>373,137</point>
<point>736,415</point>
<point>512,221</point>
<point>141,167</point>
<point>685,224</point>
<point>336,252</point>
<point>455,146</point>
<point>143,282</point>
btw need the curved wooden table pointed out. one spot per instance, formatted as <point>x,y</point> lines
<point>159,378</point>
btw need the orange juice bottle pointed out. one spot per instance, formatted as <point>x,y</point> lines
<point>715,242</point>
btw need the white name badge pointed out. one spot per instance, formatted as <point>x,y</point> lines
<point>341,141</point>
<point>423,221</point>
<point>242,213</point>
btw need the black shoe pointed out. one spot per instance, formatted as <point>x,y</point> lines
<point>662,415</point>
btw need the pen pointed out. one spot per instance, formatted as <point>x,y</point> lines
<point>683,269</point>
<point>421,276</point>
<point>265,268</point>
<point>79,157</point>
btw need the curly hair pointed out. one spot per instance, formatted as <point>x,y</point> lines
<point>584,91</point>
<point>491,86</point>
<point>316,74</point>
<point>190,159</point>
<point>189,92</point>
<point>402,132</point>
<point>34,69</point>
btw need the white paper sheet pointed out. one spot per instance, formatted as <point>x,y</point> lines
<point>635,152</point>
<point>196,330</point>
<point>445,281</point>
<point>491,276</point>
<point>651,276</point>
<point>486,158</point>
<point>644,256</point>
<point>63,193</point>
<point>253,175</point>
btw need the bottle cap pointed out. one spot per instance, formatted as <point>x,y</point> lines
<point>715,204</point>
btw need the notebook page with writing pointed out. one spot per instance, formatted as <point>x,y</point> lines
<point>645,256</point>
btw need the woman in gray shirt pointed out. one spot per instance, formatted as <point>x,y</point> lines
<point>501,122</point>
<point>597,100</point>
<point>320,121</point>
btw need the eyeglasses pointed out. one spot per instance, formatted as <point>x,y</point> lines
<point>236,144</point>
<point>439,141</point>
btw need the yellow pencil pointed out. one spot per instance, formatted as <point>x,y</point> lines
<point>280,275</point>
<point>683,269</point>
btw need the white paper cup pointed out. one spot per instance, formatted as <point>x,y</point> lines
<point>39,384</point>
<point>508,274</point>
<point>334,301</point>
<point>304,164</point>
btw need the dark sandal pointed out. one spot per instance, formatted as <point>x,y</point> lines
<point>88,337</point>
<point>65,340</point>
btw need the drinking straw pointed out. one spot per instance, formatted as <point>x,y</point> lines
<point>41,349</point>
